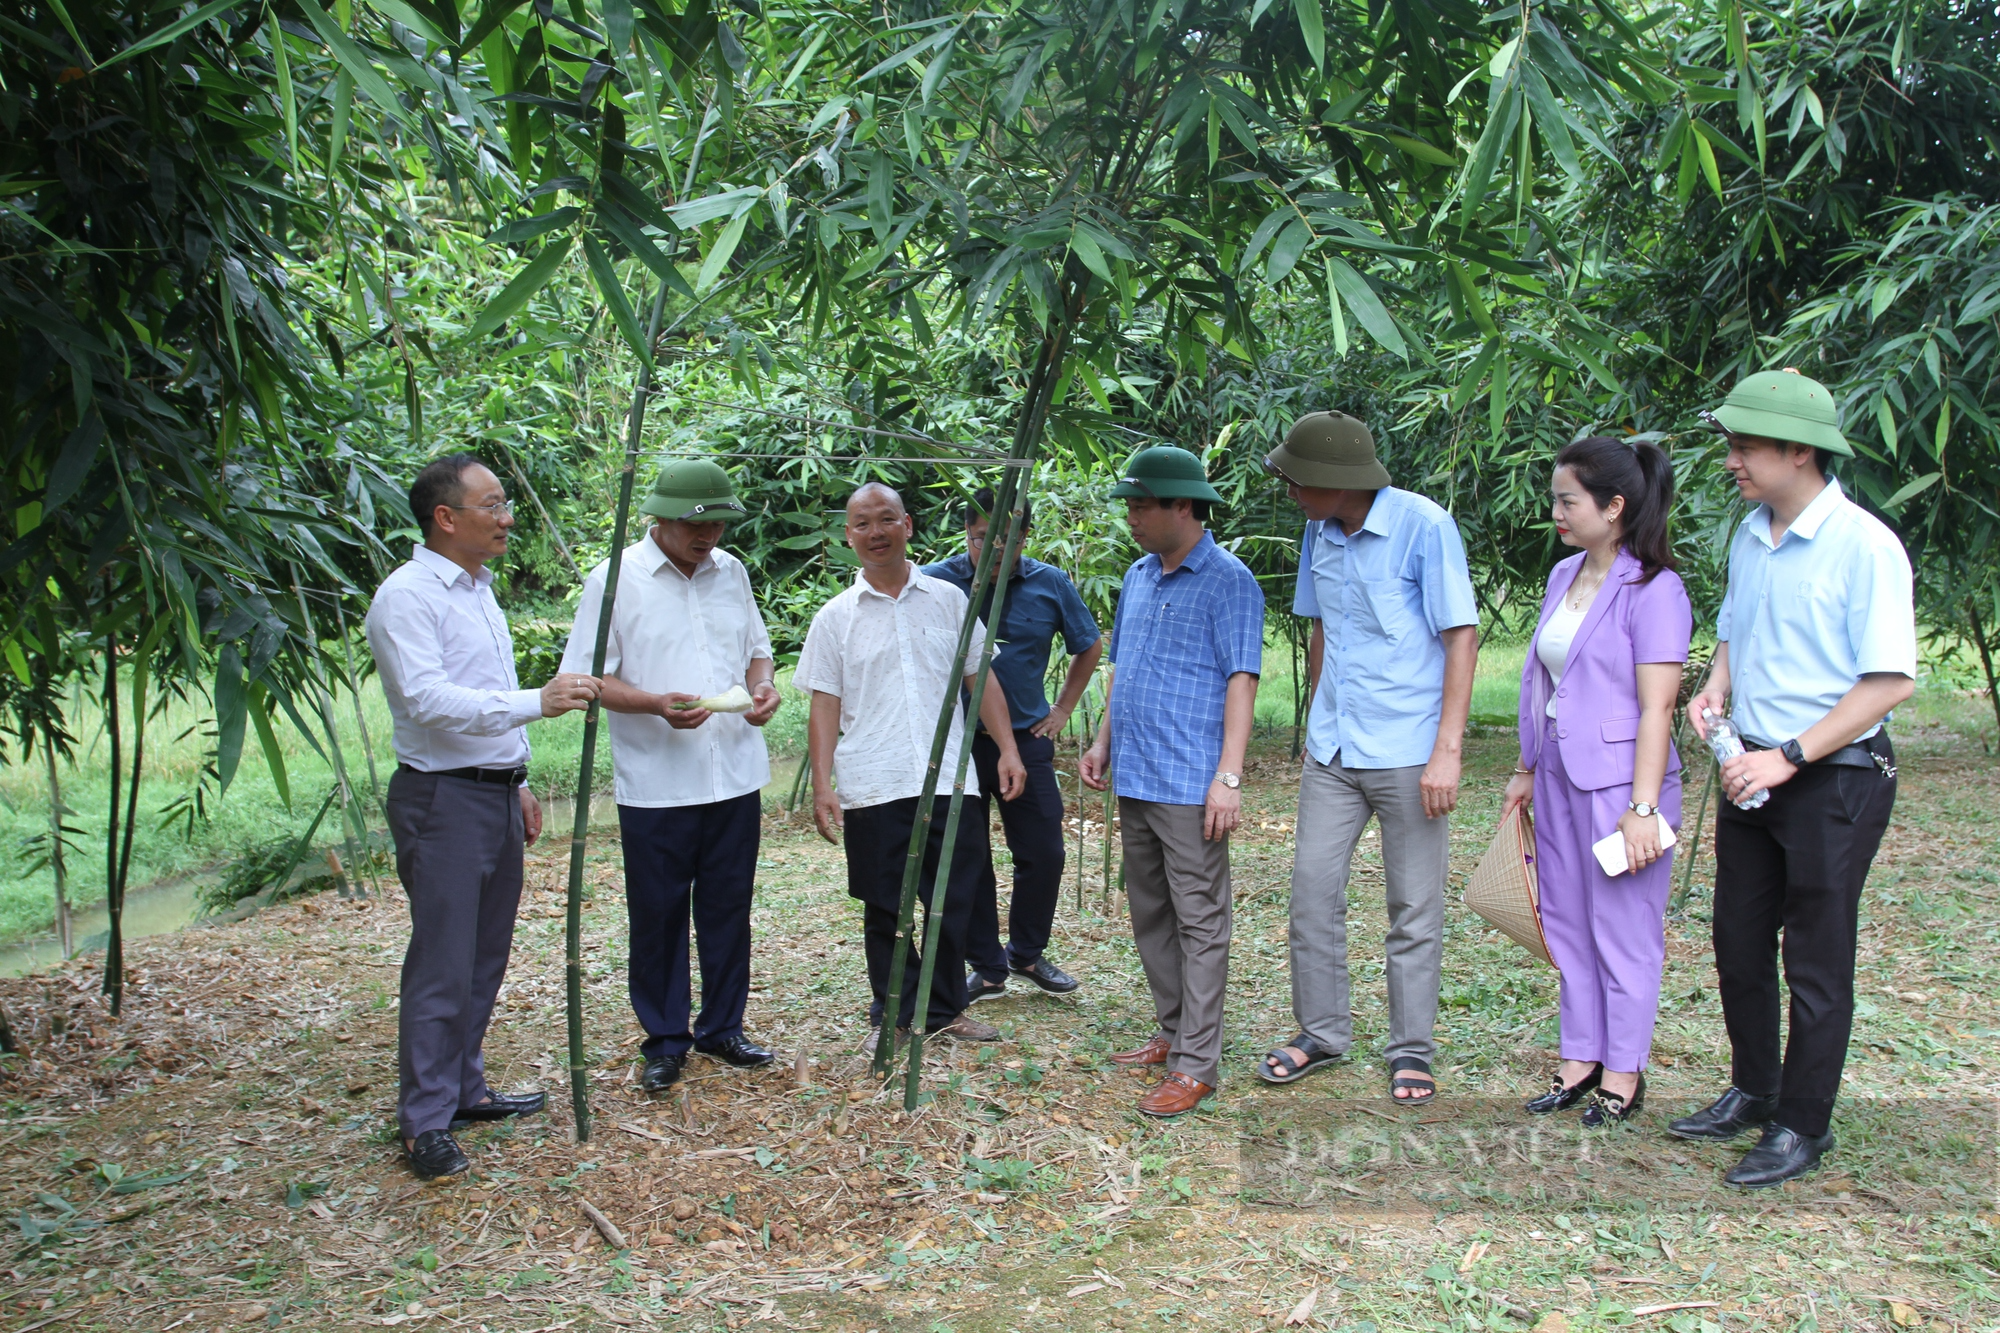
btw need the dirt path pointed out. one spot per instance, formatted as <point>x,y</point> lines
<point>222,1156</point>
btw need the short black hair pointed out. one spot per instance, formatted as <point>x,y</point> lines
<point>441,482</point>
<point>982,504</point>
<point>1823,457</point>
<point>1200,509</point>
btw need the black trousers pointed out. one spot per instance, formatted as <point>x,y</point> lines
<point>1790,875</point>
<point>877,842</point>
<point>687,862</point>
<point>1033,823</point>
<point>459,855</point>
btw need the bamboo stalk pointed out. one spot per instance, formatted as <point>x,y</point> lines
<point>1694,843</point>
<point>57,865</point>
<point>1027,432</point>
<point>579,1089</point>
<point>114,898</point>
<point>360,717</point>
<point>1985,655</point>
<point>1015,534</point>
<point>1083,730</point>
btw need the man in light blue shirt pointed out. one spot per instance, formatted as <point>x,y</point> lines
<point>1818,642</point>
<point>1395,638</point>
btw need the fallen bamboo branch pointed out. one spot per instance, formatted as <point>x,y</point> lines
<point>612,1235</point>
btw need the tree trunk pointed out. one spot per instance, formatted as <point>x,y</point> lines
<point>579,1088</point>
<point>1985,656</point>
<point>114,905</point>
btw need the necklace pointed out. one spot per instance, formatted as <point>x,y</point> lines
<point>1579,595</point>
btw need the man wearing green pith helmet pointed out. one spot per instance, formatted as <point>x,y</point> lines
<point>1816,642</point>
<point>687,672</point>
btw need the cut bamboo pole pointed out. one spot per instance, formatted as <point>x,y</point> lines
<point>940,885</point>
<point>351,823</point>
<point>114,896</point>
<point>579,1087</point>
<point>1693,844</point>
<point>360,716</point>
<point>1020,456</point>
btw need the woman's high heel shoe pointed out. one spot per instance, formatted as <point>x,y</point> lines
<point>1560,1098</point>
<point>1608,1108</point>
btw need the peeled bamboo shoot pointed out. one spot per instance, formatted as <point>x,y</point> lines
<point>735,699</point>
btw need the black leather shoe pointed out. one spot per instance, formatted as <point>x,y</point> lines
<point>739,1051</point>
<point>436,1154</point>
<point>661,1072</point>
<point>1560,1098</point>
<point>1608,1108</point>
<point>1732,1113</point>
<point>1048,976</point>
<point>979,988</point>
<point>1779,1156</point>
<point>499,1107</point>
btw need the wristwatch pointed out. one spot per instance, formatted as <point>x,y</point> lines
<point>1229,780</point>
<point>1794,756</point>
<point>1641,809</point>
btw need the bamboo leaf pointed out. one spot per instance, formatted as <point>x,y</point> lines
<point>231,713</point>
<point>525,284</point>
<point>352,58</point>
<point>618,26</point>
<point>1912,490</point>
<point>1090,253</point>
<point>1286,251</point>
<point>1312,26</point>
<point>185,24</point>
<point>491,17</point>
<point>73,464</point>
<point>613,293</point>
<point>1367,306</point>
<point>719,254</point>
<point>267,740</point>
<point>1708,164</point>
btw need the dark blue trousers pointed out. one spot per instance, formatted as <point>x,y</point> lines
<point>696,861</point>
<point>1033,823</point>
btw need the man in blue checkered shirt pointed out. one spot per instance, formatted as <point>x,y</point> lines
<point>1187,646</point>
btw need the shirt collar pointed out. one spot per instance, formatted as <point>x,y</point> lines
<point>918,582</point>
<point>1378,519</point>
<point>1203,552</point>
<point>1807,524</point>
<point>449,571</point>
<point>651,557</point>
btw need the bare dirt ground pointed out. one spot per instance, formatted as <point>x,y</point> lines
<point>222,1155</point>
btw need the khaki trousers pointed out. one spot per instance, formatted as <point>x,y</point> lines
<point>1177,886</point>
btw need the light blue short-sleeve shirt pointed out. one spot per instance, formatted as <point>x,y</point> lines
<point>1383,596</point>
<point>1805,619</point>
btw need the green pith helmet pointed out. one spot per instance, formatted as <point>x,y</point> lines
<point>1164,472</point>
<point>692,488</point>
<point>1784,405</point>
<point>1329,450</point>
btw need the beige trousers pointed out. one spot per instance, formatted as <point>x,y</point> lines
<point>1177,886</point>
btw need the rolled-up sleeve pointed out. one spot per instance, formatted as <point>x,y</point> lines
<point>1446,581</point>
<point>403,634</point>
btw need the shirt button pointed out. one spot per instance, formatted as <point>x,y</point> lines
<point>1562,692</point>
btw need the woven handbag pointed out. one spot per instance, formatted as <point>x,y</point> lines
<point>1504,888</point>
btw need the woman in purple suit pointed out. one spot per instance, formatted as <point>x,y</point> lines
<point>1597,704</point>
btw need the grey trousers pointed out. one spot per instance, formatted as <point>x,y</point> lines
<point>1334,805</point>
<point>458,853</point>
<point>1177,885</point>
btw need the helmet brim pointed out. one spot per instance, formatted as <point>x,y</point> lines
<point>1775,425</point>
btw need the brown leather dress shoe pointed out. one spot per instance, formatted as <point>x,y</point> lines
<point>1154,1052</point>
<point>1175,1094</point>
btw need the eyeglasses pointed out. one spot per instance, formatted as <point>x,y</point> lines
<point>1272,469</point>
<point>498,509</point>
<point>1713,422</point>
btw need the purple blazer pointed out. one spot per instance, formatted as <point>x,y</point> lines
<point>1597,705</point>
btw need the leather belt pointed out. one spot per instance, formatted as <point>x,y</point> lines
<point>1858,755</point>
<point>499,777</point>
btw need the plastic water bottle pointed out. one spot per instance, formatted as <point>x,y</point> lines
<point>1726,742</point>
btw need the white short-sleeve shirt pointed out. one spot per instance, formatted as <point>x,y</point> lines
<point>889,660</point>
<point>674,633</point>
<point>1806,618</point>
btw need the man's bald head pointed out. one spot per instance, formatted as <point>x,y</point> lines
<point>871,493</point>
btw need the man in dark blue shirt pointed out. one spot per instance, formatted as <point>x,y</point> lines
<point>1041,602</point>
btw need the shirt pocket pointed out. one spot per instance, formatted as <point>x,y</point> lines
<point>1384,605</point>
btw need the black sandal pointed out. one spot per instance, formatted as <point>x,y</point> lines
<point>1420,1091</point>
<point>1316,1055</point>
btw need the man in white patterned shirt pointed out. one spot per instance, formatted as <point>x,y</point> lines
<point>459,806</point>
<point>877,663</point>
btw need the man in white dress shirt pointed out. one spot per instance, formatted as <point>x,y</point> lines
<point>684,627</point>
<point>877,663</point>
<point>459,806</point>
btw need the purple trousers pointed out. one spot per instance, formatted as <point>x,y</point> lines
<point>1608,936</point>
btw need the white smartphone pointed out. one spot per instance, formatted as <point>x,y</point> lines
<point>1611,851</point>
